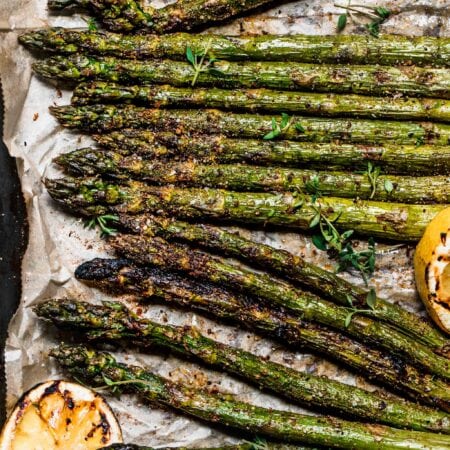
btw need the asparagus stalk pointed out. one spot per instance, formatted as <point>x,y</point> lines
<point>395,159</point>
<point>242,177</point>
<point>363,79</point>
<point>284,263</point>
<point>130,15</point>
<point>104,118</point>
<point>306,305</point>
<point>121,276</point>
<point>93,197</point>
<point>115,322</point>
<point>95,367</point>
<point>309,103</point>
<point>355,49</point>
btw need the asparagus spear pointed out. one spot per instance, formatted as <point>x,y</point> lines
<point>95,367</point>
<point>284,263</point>
<point>103,118</point>
<point>121,276</point>
<point>369,80</point>
<point>93,197</point>
<point>330,105</point>
<point>130,15</point>
<point>113,321</point>
<point>406,160</point>
<point>241,177</point>
<point>308,306</point>
<point>355,49</point>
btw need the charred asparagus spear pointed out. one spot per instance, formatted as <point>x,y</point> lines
<point>307,306</point>
<point>96,367</point>
<point>241,177</point>
<point>355,49</point>
<point>121,276</point>
<point>115,322</point>
<point>395,159</point>
<point>369,80</point>
<point>331,105</point>
<point>129,15</point>
<point>104,118</point>
<point>93,197</point>
<point>286,264</point>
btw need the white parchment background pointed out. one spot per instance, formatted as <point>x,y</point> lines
<point>58,242</point>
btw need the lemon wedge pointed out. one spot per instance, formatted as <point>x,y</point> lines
<point>60,415</point>
<point>432,269</point>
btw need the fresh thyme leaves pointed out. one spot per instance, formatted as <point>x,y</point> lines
<point>388,186</point>
<point>329,238</point>
<point>377,14</point>
<point>92,24</point>
<point>372,173</point>
<point>279,128</point>
<point>198,61</point>
<point>312,187</point>
<point>257,444</point>
<point>102,223</point>
<point>371,300</point>
<point>342,22</point>
<point>115,385</point>
<point>363,261</point>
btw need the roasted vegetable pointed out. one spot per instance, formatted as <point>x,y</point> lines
<point>113,321</point>
<point>329,105</point>
<point>93,197</point>
<point>286,264</point>
<point>218,149</point>
<point>104,118</point>
<point>100,368</point>
<point>240,177</point>
<point>368,80</point>
<point>151,283</point>
<point>354,49</point>
<point>129,15</point>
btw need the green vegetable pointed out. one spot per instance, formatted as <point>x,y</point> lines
<point>99,369</point>
<point>113,321</point>
<point>389,50</point>
<point>368,80</point>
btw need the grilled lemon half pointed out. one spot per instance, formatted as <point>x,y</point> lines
<point>60,415</point>
<point>432,269</point>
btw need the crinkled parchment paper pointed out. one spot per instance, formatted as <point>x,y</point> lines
<point>58,242</point>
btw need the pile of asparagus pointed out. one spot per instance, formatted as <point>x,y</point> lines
<point>358,144</point>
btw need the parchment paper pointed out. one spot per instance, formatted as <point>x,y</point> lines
<point>58,242</point>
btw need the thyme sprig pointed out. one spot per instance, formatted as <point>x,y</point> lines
<point>198,61</point>
<point>371,300</point>
<point>102,223</point>
<point>377,14</point>
<point>372,173</point>
<point>278,128</point>
<point>338,244</point>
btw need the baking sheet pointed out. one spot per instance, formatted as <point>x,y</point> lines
<point>58,242</point>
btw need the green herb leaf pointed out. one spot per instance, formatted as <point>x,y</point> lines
<point>270,135</point>
<point>314,221</point>
<point>299,127</point>
<point>382,12</point>
<point>348,319</point>
<point>388,186</point>
<point>371,298</point>
<point>319,241</point>
<point>190,55</point>
<point>342,22</point>
<point>92,24</point>
<point>374,28</point>
<point>284,120</point>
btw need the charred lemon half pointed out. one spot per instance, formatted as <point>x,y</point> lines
<point>60,415</point>
<point>432,269</point>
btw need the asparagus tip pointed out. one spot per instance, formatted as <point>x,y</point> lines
<point>99,269</point>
